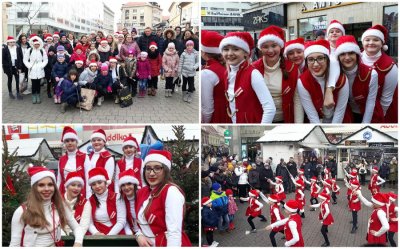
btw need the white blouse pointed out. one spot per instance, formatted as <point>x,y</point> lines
<point>209,80</point>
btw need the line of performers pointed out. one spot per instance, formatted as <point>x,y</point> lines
<point>141,200</point>
<point>331,81</point>
<point>382,224</point>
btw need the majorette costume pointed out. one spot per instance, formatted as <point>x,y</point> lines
<point>392,211</point>
<point>276,215</point>
<point>213,78</point>
<point>335,190</point>
<point>300,186</point>
<point>314,190</point>
<point>375,182</point>
<point>325,216</point>
<point>279,190</point>
<point>128,176</point>
<point>154,203</point>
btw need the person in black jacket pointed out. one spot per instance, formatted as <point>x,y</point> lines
<point>209,220</point>
<point>292,167</point>
<point>63,42</point>
<point>12,65</point>
<point>145,39</point>
<point>265,174</point>
<point>51,60</point>
<point>384,172</point>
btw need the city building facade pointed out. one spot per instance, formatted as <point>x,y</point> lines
<point>140,15</point>
<point>185,15</point>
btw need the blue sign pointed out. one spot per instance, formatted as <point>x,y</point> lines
<point>367,135</point>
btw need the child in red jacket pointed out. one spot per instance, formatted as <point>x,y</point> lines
<point>155,66</point>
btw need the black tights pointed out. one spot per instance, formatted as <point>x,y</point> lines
<point>324,231</point>
<point>210,237</point>
<point>355,216</point>
<point>36,86</point>
<point>272,237</point>
<point>14,72</point>
<point>250,220</point>
<point>391,239</point>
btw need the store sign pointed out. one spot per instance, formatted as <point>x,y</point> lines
<point>367,135</point>
<point>12,129</point>
<point>220,13</point>
<point>320,25</point>
<point>355,143</point>
<point>381,145</point>
<point>317,6</point>
<point>262,18</point>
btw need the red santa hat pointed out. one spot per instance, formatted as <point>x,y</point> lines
<point>74,177</point>
<point>272,33</point>
<point>353,174</point>
<point>48,37</point>
<point>56,34</point>
<point>355,183</point>
<point>291,206</point>
<point>37,173</point>
<point>273,198</point>
<point>241,40</point>
<point>161,156</point>
<point>379,31</point>
<point>324,196</point>
<point>254,193</point>
<point>130,140</point>
<point>120,34</point>
<point>210,41</point>
<point>375,169</point>
<point>93,63</point>
<point>35,39</point>
<point>320,46</point>
<point>314,178</point>
<point>345,44</point>
<point>79,60</point>
<point>10,39</point>
<point>100,133</point>
<point>205,201</point>
<point>103,41</point>
<point>98,174</point>
<point>379,199</point>
<point>69,133</point>
<point>337,25</point>
<point>229,192</point>
<point>127,176</point>
<point>279,178</point>
<point>112,59</point>
<point>153,45</point>
<point>78,47</point>
<point>294,44</point>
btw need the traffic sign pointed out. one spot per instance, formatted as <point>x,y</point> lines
<point>227,133</point>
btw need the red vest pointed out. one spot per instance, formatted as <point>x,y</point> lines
<point>354,206</point>
<point>360,92</point>
<point>101,163</point>
<point>251,209</point>
<point>288,234</point>
<point>375,225</point>
<point>280,191</point>
<point>137,166</point>
<point>111,210</point>
<point>248,107</point>
<point>314,89</point>
<point>80,167</point>
<point>383,66</point>
<point>274,218</point>
<point>129,216</point>
<point>329,219</point>
<point>335,188</point>
<point>373,187</point>
<point>219,115</point>
<point>393,225</point>
<point>79,208</point>
<point>299,199</point>
<point>314,193</point>
<point>155,214</point>
<point>288,88</point>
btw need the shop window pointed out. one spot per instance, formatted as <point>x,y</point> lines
<point>309,26</point>
<point>291,33</point>
<point>390,21</point>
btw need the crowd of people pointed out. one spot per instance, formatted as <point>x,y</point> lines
<point>225,182</point>
<point>94,195</point>
<point>105,63</point>
<point>329,80</point>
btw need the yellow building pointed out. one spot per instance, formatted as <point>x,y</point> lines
<point>140,15</point>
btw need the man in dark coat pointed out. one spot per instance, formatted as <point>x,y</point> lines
<point>265,174</point>
<point>281,170</point>
<point>63,42</point>
<point>332,165</point>
<point>12,65</point>
<point>145,39</point>
<point>292,167</point>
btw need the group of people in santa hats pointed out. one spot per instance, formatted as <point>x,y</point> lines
<point>321,81</point>
<point>94,196</point>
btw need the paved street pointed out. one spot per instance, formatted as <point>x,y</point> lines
<point>339,232</point>
<point>144,110</point>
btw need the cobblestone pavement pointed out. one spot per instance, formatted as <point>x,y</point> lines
<point>150,109</point>
<point>339,233</point>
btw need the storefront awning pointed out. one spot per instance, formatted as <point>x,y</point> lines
<point>368,137</point>
<point>306,134</point>
<point>35,148</point>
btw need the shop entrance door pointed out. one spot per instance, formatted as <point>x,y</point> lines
<point>356,30</point>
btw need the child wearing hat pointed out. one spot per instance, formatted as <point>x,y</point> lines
<point>103,83</point>
<point>155,67</point>
<point>254,209</point>
<point>12,65</point>
<point>70,91</point>
<point>232,208</point>
<point>104,50</point>
<point>58,73</point>
<point>188,64</point>
<point>325,216</point>
<point>143,73</point>
<point>130,67</point>
<point>393,219</point>
<point>376,181</point>
<point>209,220</point>
<point>170,63</point>
<point>314,188</point>
<point>220,203</point>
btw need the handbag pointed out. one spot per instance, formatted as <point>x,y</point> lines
<point>125,97</point>
<point>23,85</point>
<point>88,96</point>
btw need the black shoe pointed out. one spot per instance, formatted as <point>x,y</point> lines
<point>353,230</point>
<point>11,95</point>
<point>303,215</point>
<point>263,220</point>
<point>325,244</point>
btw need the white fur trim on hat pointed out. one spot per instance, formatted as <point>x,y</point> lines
<point>290,209</point>
<point>373,32</point>
<point>104,41</point>
<point>114,60</point>
<point>293,46</point>
<point>98,178</point>
<point>93,64</point>
<point>74,179</point>
<point>347,47</point>
<point>377,202</point>
<point>336,26</point>
<point>43,174</point>
<point>127,179</point>
<point>157,158</point>
<point>316,49</point>
<point>98,135</point>
<point>273,38</point>
<point>79,61</point>
<point>235,41</point>
<point>129,142</point>
<point>211,50</point>
<point>272,200</point>
<point>56,35</point>
<point>70,135</point>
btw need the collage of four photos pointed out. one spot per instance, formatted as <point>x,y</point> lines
<point>204,123</point>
